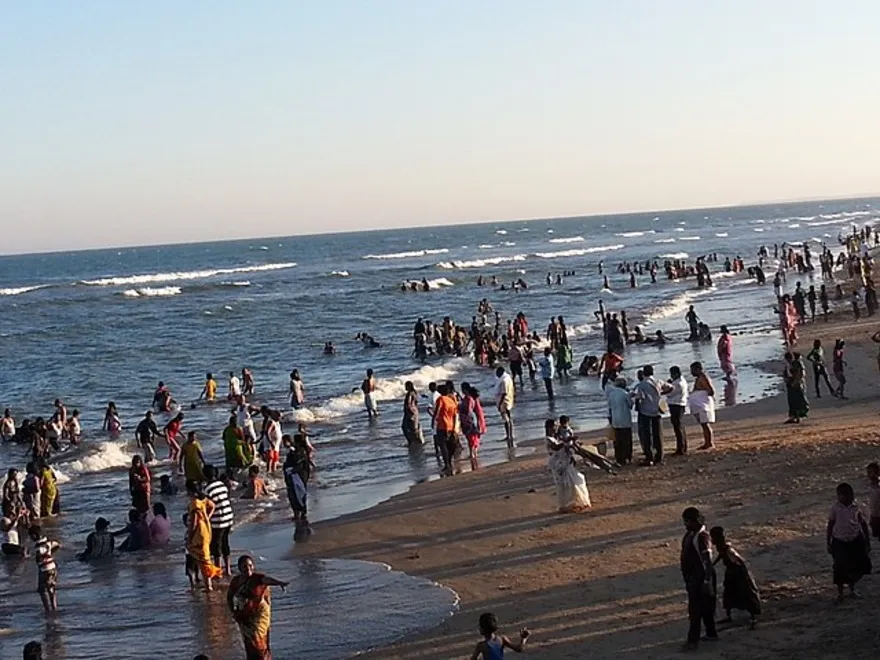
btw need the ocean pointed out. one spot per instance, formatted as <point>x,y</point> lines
<point>93,326</point>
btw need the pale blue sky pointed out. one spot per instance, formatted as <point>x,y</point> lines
<point>146,122</point>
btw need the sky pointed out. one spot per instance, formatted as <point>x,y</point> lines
<point>126,123</point>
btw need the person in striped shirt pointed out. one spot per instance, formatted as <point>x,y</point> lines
<point>221,519</point>
<point>48,573</point>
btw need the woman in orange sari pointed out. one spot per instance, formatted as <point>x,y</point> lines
<point>198,536</point>
<point>250,602</point>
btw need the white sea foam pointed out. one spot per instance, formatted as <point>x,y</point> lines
<point>570,239</point>
<point>722,234</point>
<point>341,273</point>
<point>479,263</point>
<point>581,330</point>
<point>758,229</point>
<point>390,389</point>
<point>822,223</point>
<point>674,255</point>
<point>634,234</point>
<point>405,255</point>
<point>502,232</point>
<point>184,275</point>
<point>578,252</point>
<point>677,306</point>
<point>103,456</point>
<point>485,246</point>
<point>794,225</point>
<point>150,292</point>
<point>665,240</point>
<point>17,291</point>
<point>242,283</point>
<point>679,229</point>
<point>508,243</point>
<point>689,238</point>
<point>438,283</point>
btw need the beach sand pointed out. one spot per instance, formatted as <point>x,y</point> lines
<point>606,583</point>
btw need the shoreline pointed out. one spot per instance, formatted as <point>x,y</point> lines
<point>501,527</point>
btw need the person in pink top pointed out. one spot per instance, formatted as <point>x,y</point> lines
<point>473,421</point>
<point>725,353</point>
<point>849,542</point>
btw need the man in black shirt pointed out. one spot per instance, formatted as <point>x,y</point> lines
<point>144,434</point>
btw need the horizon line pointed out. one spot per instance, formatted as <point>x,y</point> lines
<point>588,216</point>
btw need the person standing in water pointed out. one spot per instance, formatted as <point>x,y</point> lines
<point>44,549</point>
<point>144,434</point>
<point>250,602</point>
<point>725,353</point>
<point>504,401</point>
<point>297,390</point>
<point>411,426</point>
<point>191,459</point>
<point>209,391</point>
<point>368,387</point>
<point>171,432</point>
<point>234,387</point>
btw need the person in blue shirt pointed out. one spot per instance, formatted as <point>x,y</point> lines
<point>548,371</point>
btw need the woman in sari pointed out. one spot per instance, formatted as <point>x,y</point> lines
<point>794,375</point>
<point>49,502</point>
<point>198,534</point>
<point>139,485</point>
<point>572,495</point>
<point>411,426</point>
<point>250,602</point>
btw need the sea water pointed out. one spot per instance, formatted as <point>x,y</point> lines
<point>93,326</point>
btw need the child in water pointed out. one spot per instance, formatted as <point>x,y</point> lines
<point>192,567</point>
<point>740,590</point>
<point>493,645</point>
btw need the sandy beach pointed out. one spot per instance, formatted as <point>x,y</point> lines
<point>606,583</point>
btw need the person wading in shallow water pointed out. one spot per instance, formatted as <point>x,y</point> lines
<point>250,602</point>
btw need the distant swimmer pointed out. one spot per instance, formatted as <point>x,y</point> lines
<point>367,340</point>
<point>605,284</point>
<point>329,348</point>
<point>247,382</point>
<point>425,285</point>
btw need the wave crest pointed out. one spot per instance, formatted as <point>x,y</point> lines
<point>184,275</point>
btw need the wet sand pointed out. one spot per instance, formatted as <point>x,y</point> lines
<point>607,583</point>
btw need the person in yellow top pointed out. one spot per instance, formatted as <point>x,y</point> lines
<point>191,459</point>
<point>49,492</point>
<point>198,534</point>
<point>209,391</point>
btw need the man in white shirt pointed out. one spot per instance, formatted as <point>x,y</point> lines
<point>676,391</point>
<point>504,399</point>
<point>245,421</point>
<point>234,387</point>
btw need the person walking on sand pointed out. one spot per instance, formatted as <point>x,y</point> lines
<point>676,391</point>
<point>701,401</point>
<point>572,495</point>
<point>620,405</point>
<point>837,365</point>
<point>699,578</point>
<point>504,401</point>
<point>368,387</point>
<point>725,353</point>
<point>816,357</point>
<point>849,542</point>
<point>250,602</point>
<point>794,376</point>
<point>740,590</point>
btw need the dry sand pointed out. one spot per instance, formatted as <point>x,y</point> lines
<point>606,584</point>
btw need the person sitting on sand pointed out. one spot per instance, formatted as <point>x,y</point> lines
<point>493,645</point>
<point>740,590</point>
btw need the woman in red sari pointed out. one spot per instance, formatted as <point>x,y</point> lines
<point>250,602</point>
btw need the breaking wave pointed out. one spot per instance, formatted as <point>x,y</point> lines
<point>183,275</point>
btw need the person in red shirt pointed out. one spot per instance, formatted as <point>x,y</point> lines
<point>172,430</point>
<point>445,412</point>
